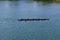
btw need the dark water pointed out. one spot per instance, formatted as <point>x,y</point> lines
<point>12,29</point>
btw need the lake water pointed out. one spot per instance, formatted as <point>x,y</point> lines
<point>12,29</point>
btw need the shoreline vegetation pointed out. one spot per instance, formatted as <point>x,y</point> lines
<point>57,1</point>
<point>43,0</point>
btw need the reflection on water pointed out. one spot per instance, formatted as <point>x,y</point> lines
<point>12,29</point>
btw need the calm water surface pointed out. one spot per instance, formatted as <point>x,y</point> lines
<point>12,29</point>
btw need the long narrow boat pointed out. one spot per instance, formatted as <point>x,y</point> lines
<point>33,19</point>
